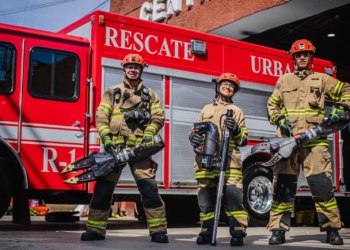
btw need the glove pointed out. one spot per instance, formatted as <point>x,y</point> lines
<point>285,125</point>
<point>148,139</point>
<point>338,112</point>
<point>107,142</point>
<point>231,124</point>
<point>137,115</point>
<point>195,139</point>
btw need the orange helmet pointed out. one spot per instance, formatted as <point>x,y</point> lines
<point>230,77</point>
<point>134,58</point>
<point>300,46</point>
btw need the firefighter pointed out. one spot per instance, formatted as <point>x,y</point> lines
<point>129,114</point>
<point>297,104</point>
<point>207,179</point>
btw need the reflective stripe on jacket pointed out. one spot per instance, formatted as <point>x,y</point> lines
<point>300,97</point>
<point>110,114</point>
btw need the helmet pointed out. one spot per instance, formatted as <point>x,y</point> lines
<point>232,78</point>
<point>300,46</point>
<point>135,59</point>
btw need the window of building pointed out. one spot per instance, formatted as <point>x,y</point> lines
<point>54,74</point>
<point>7,68</point>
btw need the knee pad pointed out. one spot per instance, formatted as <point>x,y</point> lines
<point>149,191</point>
<point>321,187</point>
<point>285,188</point>
<point>102,196</point>
<point>233,198</point>
<point>207,199</point>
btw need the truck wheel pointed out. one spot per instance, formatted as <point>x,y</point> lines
<point>5,187</point>
<point>258,193</point>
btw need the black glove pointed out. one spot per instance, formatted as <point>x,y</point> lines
<point>195,139</point>
<point>232,125</point>
<point>143,116</point>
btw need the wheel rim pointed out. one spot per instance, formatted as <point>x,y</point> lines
<point>259,194</point>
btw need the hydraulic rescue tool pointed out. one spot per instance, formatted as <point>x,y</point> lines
<point>208,149</point>
<point>282,148</point>
<point>223,164</point>
<point>101,164</point>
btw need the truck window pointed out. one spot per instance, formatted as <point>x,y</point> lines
<point>7,67</point>
<point>54,74</point>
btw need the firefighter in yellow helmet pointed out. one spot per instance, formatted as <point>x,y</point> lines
<point>297,104</point>
<point>129,114</point>
<point>207,179</point>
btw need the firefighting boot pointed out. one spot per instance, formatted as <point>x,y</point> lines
<point>91,235</point>
<point>159,238</point>
<point>237,239</point>
<point>204,239</point>
<point>277,237</point>
<point>333,237</point>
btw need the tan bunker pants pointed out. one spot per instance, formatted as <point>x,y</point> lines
<point>207,181</point>
<point>144,171</point>
<point>316,166</point>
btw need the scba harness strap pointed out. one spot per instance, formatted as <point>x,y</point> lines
<point>139,111</point>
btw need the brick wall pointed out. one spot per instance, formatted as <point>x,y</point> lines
<point>204,15</point>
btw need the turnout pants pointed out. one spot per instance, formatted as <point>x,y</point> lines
<point>207,181</point>
<point>144,171</point>
<point>316,166</point>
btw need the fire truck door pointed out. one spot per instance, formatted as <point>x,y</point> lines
<point>10,70</point>
<point>53,111</point>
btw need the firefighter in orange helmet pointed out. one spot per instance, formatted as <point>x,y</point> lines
<point>207,179</point>
<point>297,104</point>
<point>129,114</point>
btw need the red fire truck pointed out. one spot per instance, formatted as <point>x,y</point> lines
<point>52,83</point>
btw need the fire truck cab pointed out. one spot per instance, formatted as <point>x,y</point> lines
<point>52,83</point>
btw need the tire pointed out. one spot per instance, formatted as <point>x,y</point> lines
<point>258,193</point>
<point>5,187</point>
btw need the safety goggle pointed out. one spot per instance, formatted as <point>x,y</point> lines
<point>302,54</point>
<point>135,67</point>
<point>228,85</point>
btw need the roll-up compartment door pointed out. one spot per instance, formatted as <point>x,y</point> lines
<point>188,99</point>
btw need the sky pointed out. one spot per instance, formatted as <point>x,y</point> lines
<point>50,15</point>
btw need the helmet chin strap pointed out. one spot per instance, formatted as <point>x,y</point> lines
<point>226,99</point>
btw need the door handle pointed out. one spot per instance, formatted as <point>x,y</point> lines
<point>76,124</point>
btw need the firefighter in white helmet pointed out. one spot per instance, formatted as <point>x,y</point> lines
<point>297,104</point>
<point>129,114</point>
<point>207,179</point>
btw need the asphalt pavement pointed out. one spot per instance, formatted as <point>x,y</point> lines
<point>127,233</point>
